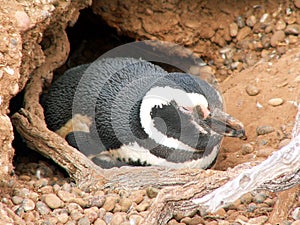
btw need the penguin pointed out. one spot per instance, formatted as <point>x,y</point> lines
<point>126,111</point>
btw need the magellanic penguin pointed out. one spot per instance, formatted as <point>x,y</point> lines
<point>130,111</point>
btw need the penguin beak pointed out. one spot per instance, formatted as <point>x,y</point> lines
<point>224,124</point>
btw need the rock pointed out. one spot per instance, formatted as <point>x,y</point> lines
<point>174,222</point>
<point>233,29</point>
<point>223,222</point>
<point>137,196</point>
<point>296,213</point>
<point>292,29</point>
<point>76,215</point>
<point>240,21</point>
<point>251,58</point>
<point>258,220</point>
<point>252,90</point>
<point>91,213</point>
<point>246,198</point>
<point>65,195</point>
<point>280,25</point>
<point>262,130</point>
<point>221,212</point>
<point>297,3</point>
<point>23,20</point>
<point>143,206</point>
<point>265,152</point>
<point>118,218</point>
<point>297,222</point>
<point>260,197</point>
<point>244,32</point>
<point>99,222</point>
<point>107,217</point>
<point>242,218</point>
<point>53,201</point>
<point>237,66</point>
<point>152,192</point>
<point>251,21</point>
<point>125,204</point>
<point>109,203</point>
<point>97,201</point>
<point>83,221</point>
<point>192,221</point>
<point>135,219</point>
<point>275,101</point>
<point>247,149</point>
<point>61,215</point>
<point>42,208</point>
<point>270,202</point>
<point>73,207</point>
<point>265,19</point>
<point>277,37</point>
<point>251,207</point>
<point>28,204</point>
<point>17,200</point>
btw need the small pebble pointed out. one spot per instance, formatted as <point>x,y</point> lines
<point>66,196</point>
<point>17,200</point>
<point>233,29</point>
<point>83,221</point>
<point>137,196</point>
<point>91,213</point>
<point>223,222</point>
<point>275,101</point>
<point>152,192</point>
<point>28,204</point>
<point>75,215</point>
<point>292,29</point>
<point>246,198</point>
<point>277,37</point>
<point>99,222</point>
<point>53,201</point>
<point>240,21</point>
<point>109,203</point>
<point>252,90</point>
<point>280,25</point>
<point>260,197</point>
<point>23,20</point>
<point>258,220</point>
<point>42,208</point>
<point>125,204</point>
<point>251,207</point>
<point>144,205</point>
<point>135,219</point>
<point>107,217</point>
<point>247,149</point>
<point>265,152</point>
<point>63,217</point>
<point>118,218</point>
<point>296,213</point>
<point>265,129</point>
<point>297,3</point>
<point>244,32</point>
<point>251,21</point>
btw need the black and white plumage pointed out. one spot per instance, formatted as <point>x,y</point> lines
<point>135,112</point>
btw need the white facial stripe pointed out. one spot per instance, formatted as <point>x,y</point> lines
<point>136,152</point>
<point>159,96</point>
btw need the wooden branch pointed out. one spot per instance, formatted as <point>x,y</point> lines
<point>39,138</point>
<point>285,161</point>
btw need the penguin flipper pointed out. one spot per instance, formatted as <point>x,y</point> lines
<point>86,145</point>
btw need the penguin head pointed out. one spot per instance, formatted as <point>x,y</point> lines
<point>186,119</point>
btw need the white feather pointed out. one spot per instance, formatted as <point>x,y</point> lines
<point>137,153</point>
<point>159,96</point>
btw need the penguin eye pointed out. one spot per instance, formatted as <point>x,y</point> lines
<point>186,109</point>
